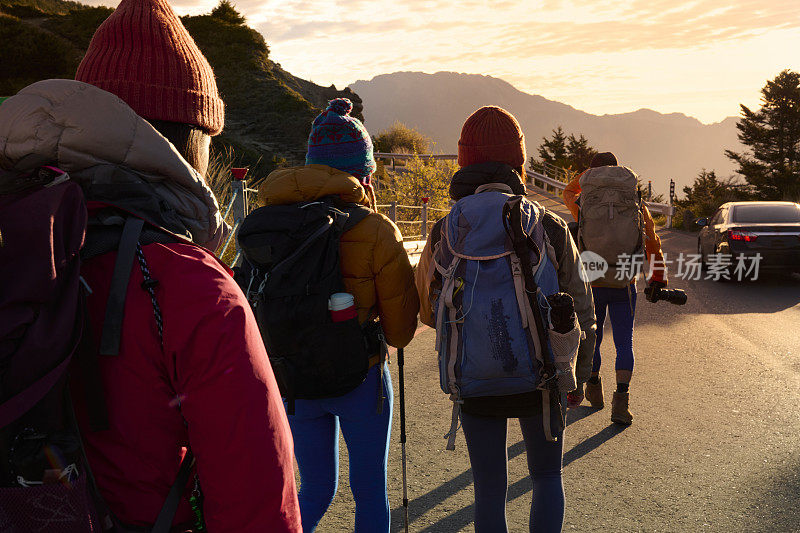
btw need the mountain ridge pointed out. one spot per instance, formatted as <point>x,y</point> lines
<point>658,146</point>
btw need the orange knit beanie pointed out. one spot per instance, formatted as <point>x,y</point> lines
<point>491,134</point>
<point>143,54</point>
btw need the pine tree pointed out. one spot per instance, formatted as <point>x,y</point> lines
<point>565,151</point>
<point>554,151</point>
<point>226,11</point>
<point>772,134</point>
<point>579,152</point>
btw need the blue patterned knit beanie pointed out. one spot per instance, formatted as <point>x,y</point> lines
<point>341,141</point>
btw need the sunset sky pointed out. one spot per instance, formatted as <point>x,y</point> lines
<point>701,57</point>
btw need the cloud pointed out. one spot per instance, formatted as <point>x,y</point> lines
<point>599,55</point>
<point>517,28</point>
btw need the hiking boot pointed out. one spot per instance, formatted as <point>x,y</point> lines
<point>594,394</point>
<point>620,413</point>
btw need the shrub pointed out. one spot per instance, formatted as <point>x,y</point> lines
<point>79,25</point>
<point>402,139</point>
<point>39,8</point>
<point>28,54</point>
<point>705,196</point>
<point>218,177</point>
<point>420,178</point>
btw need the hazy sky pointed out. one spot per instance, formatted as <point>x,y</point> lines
<point>701,57</point>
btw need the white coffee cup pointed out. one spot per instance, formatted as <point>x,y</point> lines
<point>341,301</point>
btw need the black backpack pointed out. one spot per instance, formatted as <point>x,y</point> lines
<point>291,270</point>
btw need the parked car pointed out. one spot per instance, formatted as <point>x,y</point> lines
<point>771,229</point>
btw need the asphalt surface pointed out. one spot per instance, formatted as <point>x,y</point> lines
<point>715,443</point>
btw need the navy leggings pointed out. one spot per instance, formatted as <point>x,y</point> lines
<point>315,429</point>
<point>488,456</point>
<point>622,311</point>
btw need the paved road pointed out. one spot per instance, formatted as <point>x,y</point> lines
<point>715,444</point>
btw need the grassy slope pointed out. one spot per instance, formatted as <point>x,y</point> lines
<point>268,111</point>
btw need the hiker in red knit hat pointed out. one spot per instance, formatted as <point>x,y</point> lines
<point>474,277</point>
<point>182,368</point>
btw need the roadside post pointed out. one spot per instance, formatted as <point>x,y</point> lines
<point>425,218</point>
<point>238,206</point>
<point>671,209</point>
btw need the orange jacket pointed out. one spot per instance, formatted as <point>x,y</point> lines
<point>652,242</point>
<point>374,264</point>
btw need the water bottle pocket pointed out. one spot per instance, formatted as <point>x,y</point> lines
<point>565,350</point>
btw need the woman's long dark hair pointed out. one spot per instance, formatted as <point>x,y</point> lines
<point>190,141</point>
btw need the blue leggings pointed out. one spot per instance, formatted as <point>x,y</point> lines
<point>488,456</point>
<point>622,313</point>
<point>315,429</point>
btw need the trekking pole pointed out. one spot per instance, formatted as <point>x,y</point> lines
<point>403,433</point>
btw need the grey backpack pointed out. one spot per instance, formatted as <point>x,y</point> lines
<point>611,223</point>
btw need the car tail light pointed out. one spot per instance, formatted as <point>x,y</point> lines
<point>746,236</point>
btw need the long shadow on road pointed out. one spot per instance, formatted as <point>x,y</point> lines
<point>463,517</point>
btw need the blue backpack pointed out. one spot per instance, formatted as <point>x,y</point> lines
<point>488,335</point>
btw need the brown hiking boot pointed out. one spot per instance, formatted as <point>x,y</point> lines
<point>594,394</point>
<point>620,413</point>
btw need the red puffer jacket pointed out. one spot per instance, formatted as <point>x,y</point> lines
<point>211,385</point>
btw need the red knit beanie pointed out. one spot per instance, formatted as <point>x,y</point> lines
<point>491,134</point>
<point>143,54</point>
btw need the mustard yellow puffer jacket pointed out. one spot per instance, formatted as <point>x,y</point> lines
<point>374,263</point>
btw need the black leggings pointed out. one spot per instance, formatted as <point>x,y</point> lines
<point>488,455</point>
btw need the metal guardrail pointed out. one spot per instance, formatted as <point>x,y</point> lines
<point>239,205</point>
<point>662,209</point>
<point>550,170</point>
<point>542,173</point>
<point>414,251</point>
<point>403,157</point>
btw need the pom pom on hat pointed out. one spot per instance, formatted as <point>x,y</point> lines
<point>340,106</point>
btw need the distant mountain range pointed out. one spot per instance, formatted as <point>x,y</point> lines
<point>655,145</point>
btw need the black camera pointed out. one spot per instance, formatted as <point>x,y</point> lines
<point>673,296</point>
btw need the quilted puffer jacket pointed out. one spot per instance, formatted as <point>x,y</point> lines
<point>207,381</point>
<point>111,151</point>
<point>374,263</point>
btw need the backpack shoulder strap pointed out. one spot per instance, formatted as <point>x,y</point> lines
<point>436,232</point>
<point>166,515</point>
<point>512,220</point>
<point>555,232</point>
<point>115,306</point>
<point>356,213</point>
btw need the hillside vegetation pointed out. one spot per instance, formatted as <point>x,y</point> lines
<point>268,111</point>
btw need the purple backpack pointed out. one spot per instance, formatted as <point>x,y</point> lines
<point>45,480</point>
